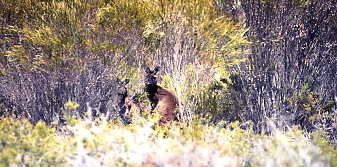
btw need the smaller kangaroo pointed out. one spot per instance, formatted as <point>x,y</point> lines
<point>161,99</point>
<point>128,107</point>
<point>122,93</point>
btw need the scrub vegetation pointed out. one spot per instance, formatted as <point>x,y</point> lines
<point>253,83</point>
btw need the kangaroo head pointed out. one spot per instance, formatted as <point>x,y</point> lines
<point>121,87</point>
<point>151,78</point>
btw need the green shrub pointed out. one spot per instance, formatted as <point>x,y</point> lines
<point>24,144</point>
<point>328,149</point>
<point>144,143</point>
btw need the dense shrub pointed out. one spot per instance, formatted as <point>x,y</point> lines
<point>41,96</point>
<point>54,51</point>
<point>290,74</point>
<point>146,144</point>
<point>24,144</point>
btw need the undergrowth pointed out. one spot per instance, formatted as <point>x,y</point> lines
<point>144,143</point>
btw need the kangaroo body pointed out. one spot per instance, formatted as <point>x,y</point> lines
<point>161,99</point>
<point>134,108</point>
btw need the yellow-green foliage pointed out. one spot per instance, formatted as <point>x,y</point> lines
<point>197,91</point>
<point>48,28</point>
<point>145,143</point>
<point>23,144</point>
<point>117,16</point>
<point>290,148</point>
<point>327,148</point>
<point>214,37</point>
<point>214,103</point>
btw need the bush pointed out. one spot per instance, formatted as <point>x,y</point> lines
<point>144,143</point>
<point>24,144</point>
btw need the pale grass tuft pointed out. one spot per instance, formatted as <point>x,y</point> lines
<point>141,144</point>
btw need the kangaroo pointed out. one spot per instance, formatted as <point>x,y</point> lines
<point>128,107</point>
<point>122,94</point>
<point>161,99</point>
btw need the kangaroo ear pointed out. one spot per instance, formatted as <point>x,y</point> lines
<point>126,81</point>
<point>223,80</point>
<point>156,69</point>
<point>147,70</point>
<point>118,81</point>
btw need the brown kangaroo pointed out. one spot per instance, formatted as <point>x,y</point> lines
<point>161,99</point>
